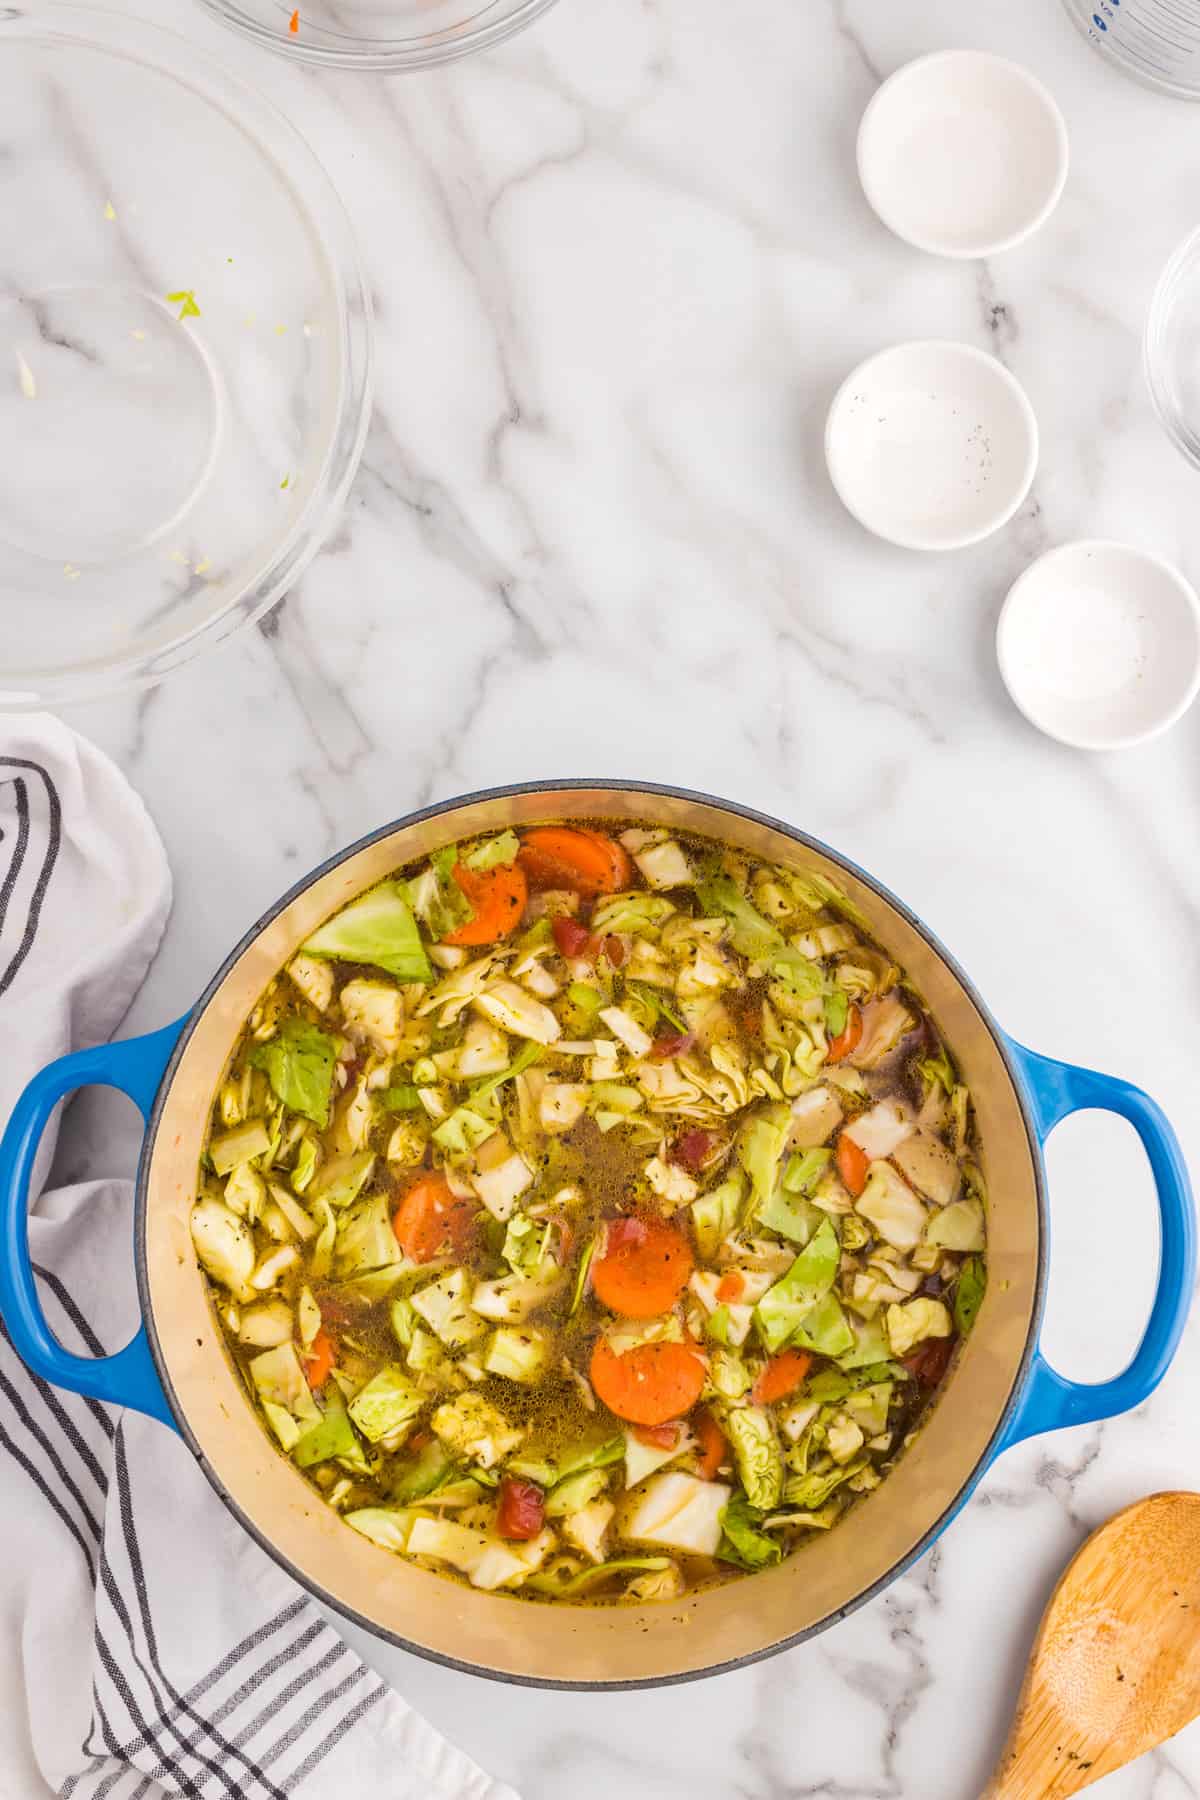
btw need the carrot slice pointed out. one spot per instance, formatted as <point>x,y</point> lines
<point>498,896</point>
<point>731,1285</point>
<point>644,1269</point>
<point>713,1448</point>
<point>319,1360</point>
<point>848,1038</point>
<point>781,1376</point>
<point>562,856</point>
<point>430,1218</point>
<point>852,1164</point>
<point>649,1385</point>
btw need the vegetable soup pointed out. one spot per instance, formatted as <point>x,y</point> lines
<point>592,1217</point>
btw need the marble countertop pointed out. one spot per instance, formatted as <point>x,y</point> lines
<point>619,268</point>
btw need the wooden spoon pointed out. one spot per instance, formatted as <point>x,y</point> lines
<point>1115,1666</point>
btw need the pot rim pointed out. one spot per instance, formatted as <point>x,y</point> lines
<point>804,839</point>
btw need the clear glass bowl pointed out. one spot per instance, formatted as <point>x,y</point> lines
<point>185,350</point>
<point>1155,41</point>
<point>378,34</point>
<point>1172,348</point>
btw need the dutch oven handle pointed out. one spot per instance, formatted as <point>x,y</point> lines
<point>1055,1089</point>
<point>128,1378</point>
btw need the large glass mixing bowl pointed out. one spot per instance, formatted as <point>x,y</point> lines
<point>185,349</point>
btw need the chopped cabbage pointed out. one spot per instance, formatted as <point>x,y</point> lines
<point>881,1131</point>
<point>785,1307</point>
<point>917,1319</point>
<point>224,1246</point>
<point>678,1511</point>
<point>242,1145</point>
<point>365,1239</point>
<point>342,1178</point>
<point>510,1007</point>
<point>377,1009</point>
<point>445,1306</point>
<point>751,1434</point>
<point>760,1145</point>
<point>743,1541</point>
<point>716,1214</point>
<point>387,1405</point>
<point>517,1354</point>
<point>472,1428</point>
<point>378,928</point>
<point>968,1293</point>
<point>298,1062</point>
<point>816,1115</point>
<point>958,1227</point>
<point>889,1204</point>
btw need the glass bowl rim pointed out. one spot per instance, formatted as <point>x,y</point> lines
<point>424,51</point>
<point>1155,359</point>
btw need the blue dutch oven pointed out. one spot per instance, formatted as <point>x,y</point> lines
<point>1000,1391</point>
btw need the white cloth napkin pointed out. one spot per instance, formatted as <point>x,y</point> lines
<point>147,1646</point>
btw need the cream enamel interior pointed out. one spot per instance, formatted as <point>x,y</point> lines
<point>559,1643</point>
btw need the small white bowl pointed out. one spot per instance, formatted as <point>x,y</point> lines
<point>962,154</point>
<point>931,445</point>
<point>1099,644</point>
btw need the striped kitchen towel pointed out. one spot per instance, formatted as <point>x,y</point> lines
<point>147,1646</point>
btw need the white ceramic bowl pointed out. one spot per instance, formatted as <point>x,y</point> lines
<point>1099,644</point>
<point>962,153</point>
<point>931,445</point>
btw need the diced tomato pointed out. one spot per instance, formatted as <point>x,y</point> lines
<point>660,1437</point>
<point>692,1150</point>
<point>585,862</point>
<point>848,1038</point>
<point>522,1510</point>
<point>498,897</point>
<point>570,937</point>
<point>430,1219</point>
<point>781,1377</point>
<point>624,1233</point>
<point>614,949</point>
<point>713,1448</point>
<point>319,1360</point>
<point>418,1440</point>
<point>673,1045</point>
<point>852,1164</point>
<point>644,1268</point>
<point>930,1360</point>
<point>648,1385</point>
<point>730,1286</point>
